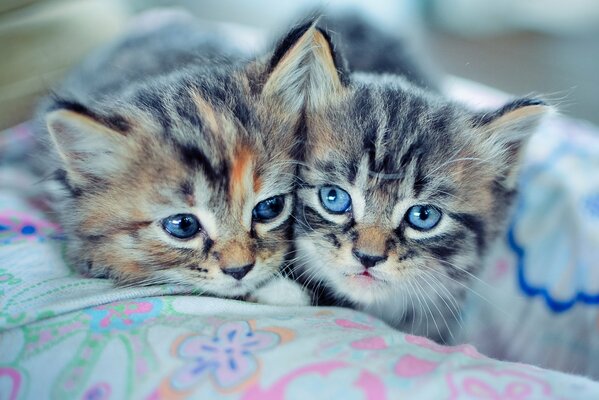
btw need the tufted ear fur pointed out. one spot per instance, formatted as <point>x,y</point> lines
<point>305,70</point>
<point>506,131</point>
<point>91,147</point>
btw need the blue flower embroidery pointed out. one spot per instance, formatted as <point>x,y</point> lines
<point>228,356</point>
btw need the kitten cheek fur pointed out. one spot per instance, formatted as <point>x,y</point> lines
<point>399,146</point>
<point>212,143</point>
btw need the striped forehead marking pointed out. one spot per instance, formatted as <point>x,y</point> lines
<point>242,174</point>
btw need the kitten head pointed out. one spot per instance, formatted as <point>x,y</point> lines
<point>185,179</point>
<point>400,184</point>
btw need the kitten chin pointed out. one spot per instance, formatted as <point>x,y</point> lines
<point>408,302</point>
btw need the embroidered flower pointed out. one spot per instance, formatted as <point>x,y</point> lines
<point>228,357</point>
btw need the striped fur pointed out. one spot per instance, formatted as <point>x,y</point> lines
<point>392,145</point>
<point>165,122</point>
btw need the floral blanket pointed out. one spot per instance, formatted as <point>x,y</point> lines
<point>65,337</point>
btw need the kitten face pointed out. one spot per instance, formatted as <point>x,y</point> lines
<point>187,180</point>
<point>405,208</point>
<point>401,191</point>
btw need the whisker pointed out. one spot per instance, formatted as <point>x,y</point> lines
<point>461,269</point>
<point>476,293</point>
<point>454,303</point>
<point>439,310</point>
<point>420,315</point>
<point>428,306</point>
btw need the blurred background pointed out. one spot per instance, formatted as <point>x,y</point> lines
<point>547,47</point>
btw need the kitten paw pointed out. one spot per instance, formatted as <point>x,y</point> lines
<point>281,292</point>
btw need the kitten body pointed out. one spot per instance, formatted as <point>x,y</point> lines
<point>401,193</point>
<point>173,160</point>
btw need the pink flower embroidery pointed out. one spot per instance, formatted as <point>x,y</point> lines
<point>228,357</point>
<point>489,383</point>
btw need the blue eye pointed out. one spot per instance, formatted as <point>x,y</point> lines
<point>335,200</point>
<point>423,217</point>
<point>269,208</point>
<point>181,226</point>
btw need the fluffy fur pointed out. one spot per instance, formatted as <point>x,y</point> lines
<point>171,121</point>
<point>392,145</point>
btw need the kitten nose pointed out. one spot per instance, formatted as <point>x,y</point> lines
<point>367,260</point>
<point>238,272</point>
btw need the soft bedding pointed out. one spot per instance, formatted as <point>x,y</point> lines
<point>63,336</point>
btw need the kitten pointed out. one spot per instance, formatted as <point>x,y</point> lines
<point>174,156</point>
<point>401,191</point>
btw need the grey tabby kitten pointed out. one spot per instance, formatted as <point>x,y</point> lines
<point>401,191</point>
<point>173,160</point>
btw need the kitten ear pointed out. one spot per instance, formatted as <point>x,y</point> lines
<point>90,147</point>
<point>506,131</point>
<point>305,70</point>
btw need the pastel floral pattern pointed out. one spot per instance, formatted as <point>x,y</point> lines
<point>228,357</point>
<point>497,384</point>
<point>99,391</point>
<point>11,380</point>
<point>17,227</point>
<point>123,315</point>
<point>7,278</point>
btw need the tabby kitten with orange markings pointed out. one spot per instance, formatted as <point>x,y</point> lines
<point>401,192</point>
<point>174,160</point>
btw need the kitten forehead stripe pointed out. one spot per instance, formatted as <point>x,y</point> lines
<point>242,174</point>
<point>195,158</point>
